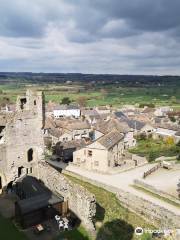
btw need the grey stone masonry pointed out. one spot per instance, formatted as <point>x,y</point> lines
<point>80,201</point>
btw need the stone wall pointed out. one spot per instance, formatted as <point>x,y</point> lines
<point>80,201</point>
<point>151,212</point>
<point>155,214</point>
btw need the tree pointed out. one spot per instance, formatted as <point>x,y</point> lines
<point>170,140</point>
<point>173,99</point>
<point>104,92</point>
<point>152,156</point>
<point>66,100</point>
<point>82,101</point>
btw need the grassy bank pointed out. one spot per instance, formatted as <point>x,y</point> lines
<point>156,196</point>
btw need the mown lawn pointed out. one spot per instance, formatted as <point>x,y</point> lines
<point>155,148</point>
<point>113,222</point>
<point>8,231</point>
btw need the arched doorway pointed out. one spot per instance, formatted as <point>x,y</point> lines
<point>30,155</point>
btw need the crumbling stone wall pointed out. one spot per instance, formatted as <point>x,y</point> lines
<point>153,213</point>
<point>80,201</point>
<point>23,131</point>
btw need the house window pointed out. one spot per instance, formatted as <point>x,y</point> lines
<point>89,153</point>
<point>34,102</point>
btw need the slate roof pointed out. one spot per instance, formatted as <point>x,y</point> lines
<point>89,112</point>
<point>78,143</point>
<point>148,110</point>
<point>110,139</point>
<point>112,124</point>
<point>134,124</point>
<point>65,107</point>
<point>120,114</point>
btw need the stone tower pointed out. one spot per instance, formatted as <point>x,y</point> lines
<point>23,146</point>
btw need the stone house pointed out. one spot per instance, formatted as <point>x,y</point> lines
<point>165,133</point>
<point>65,129</point>
<point>162,111</point>
<point>140,127</point>
<point>104,127</point>
<point>106,152</point>
<point>103,110</point>
<point>64,150</point>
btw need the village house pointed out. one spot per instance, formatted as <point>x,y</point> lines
<point>103,109</point>
<point>104,127</point>
<point>66,111</point>
<point>63,151</point>
<point>106,152</point>
<point>66,129</point>
<point>140,127</point>
<point>165,132</point>
<point>162,111</point>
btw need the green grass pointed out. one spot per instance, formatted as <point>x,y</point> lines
<point>77,234</point>
<point>156,196</point>
<point>157,147</point>
<point>113,222</point>
<point>116,95</point>
<point>8,230</point>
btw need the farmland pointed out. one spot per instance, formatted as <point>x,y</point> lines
<point>102,94</point>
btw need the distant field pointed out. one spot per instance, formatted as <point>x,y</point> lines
<point>114,95</point>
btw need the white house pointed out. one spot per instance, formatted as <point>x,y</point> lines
<point>162,111</point>
<point>66,111</point>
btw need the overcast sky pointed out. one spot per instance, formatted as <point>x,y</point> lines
<point>90,36</point>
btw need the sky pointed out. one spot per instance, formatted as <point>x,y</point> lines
<point>90,36</point>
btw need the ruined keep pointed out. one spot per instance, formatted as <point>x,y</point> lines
<point>21,138</point>
<point>22,153</point>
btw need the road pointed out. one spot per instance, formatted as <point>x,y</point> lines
<point>123,181</point>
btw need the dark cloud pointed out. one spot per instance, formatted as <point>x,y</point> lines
<point>90,35</point>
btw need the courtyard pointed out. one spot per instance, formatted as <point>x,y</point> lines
<point>164,180</point>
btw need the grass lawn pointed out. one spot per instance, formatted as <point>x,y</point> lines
<point>113,222</point>
<point>8,231</point>
<point>156,148</point>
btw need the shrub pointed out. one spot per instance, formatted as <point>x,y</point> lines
<point>152,156</point>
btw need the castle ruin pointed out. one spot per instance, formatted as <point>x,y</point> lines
<point>22,153</point>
